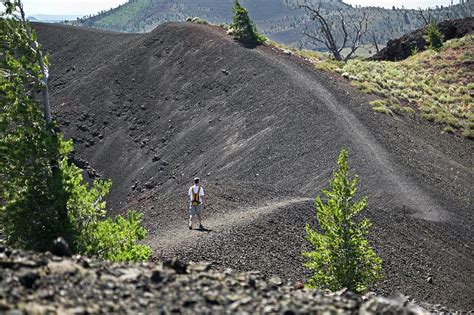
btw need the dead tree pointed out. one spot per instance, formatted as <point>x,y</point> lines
<point>326,33</point>
<point>374,41</point>
<point>425,20</point>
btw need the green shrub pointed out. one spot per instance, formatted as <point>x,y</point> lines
<point>433,37</point>
<point>408,110</point>
<point>243,28</point>
<point>329,65</point>
<point>341,255</point>
<point>448,129</point>
<point>42,195</point>
<point>33,212</point>
<point>115,239</point>
<point>379,103</point>
<point>468,133</point>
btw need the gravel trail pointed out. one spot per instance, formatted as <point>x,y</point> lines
<point>178,235</point>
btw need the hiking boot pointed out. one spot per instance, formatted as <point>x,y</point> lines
<point>190,227</point>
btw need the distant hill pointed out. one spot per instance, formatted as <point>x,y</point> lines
<point>281,20</point>
<point>49,18</point>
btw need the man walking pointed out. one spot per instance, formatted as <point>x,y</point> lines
<point>197,202</point>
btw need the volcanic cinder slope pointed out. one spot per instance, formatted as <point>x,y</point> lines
<point>263,130</point>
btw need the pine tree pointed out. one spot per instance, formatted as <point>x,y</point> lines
<point>42,195</point>
<point>243,28</point>
<point>341,255</point>
<point>433,37</point>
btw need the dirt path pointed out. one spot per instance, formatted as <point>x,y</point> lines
<point>178,234</point>
<point>414,197</point>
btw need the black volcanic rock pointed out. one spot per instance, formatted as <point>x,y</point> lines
<point>82,285</point>
<point>401,48</point>
<point>61,248</point>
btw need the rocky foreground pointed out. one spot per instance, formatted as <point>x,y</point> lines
<point>33,283</point>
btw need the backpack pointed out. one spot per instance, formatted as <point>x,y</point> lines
<point>195,200</point>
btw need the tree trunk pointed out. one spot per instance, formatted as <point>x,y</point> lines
<point>44,69</point>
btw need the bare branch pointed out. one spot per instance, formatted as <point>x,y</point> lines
<point>360,29</point>
<point>306,33</point>
<point>325,33</point>
<point>421,15</point>
<point>374,40</point>
<point>343,25</point>
<point>325,30</point>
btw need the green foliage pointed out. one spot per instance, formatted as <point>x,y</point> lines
<point>42,195</point>
<point>448,129</point>
<point>243,28</point>
<point>329,64</point>
<point>408,110</point>
<point>129,14</point>
<point>468,133</point>
<point>381,106</point>
<point>115,239</point>
<point>341,255</point>
<point>32,191</point>
<point>433,37</point>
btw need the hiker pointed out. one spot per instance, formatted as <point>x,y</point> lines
<point>197,202</point>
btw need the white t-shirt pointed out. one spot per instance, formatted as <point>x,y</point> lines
<point>195,190</point>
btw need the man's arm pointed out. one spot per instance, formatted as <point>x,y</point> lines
<point>203,197</point>
<point>186,205</point>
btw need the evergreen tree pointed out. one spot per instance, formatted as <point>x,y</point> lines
<point>341,255</point>
<point>243,28</point>
<point>42,195</point>
<point>433,37</point>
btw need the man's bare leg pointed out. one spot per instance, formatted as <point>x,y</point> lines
<point>199,218</point>
<point>190,221</point>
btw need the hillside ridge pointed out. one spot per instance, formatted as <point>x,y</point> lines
<point>281,21</point>
<point>151,111</point>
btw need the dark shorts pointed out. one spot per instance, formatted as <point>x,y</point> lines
<point>195,210</point>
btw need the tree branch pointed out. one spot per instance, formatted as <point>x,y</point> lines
<point>421,15</point>
<point>43,67</point>
<point>343,25</point>
<point>374,39</point>
<point>325,30</point>
<point>360,30</point>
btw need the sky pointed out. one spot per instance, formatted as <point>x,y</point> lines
<point>409,4</point>
<point>68,7</point>
<point>85,7</point>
